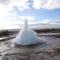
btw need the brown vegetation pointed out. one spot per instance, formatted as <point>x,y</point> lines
<point>15,31</point>
<point>48,30</point>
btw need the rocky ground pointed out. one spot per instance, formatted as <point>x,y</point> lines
<point>49,51</point>
<point>17,54</point>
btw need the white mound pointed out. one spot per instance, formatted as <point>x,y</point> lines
<point>26,36</point>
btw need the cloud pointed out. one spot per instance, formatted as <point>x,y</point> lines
<point>10,4</point>
<point>56,22</point>
<point>47,4</point>
<point>5,2</point>
<point>8,8</point>
<point>2,10</point>
<point>47,21</point>
<point>14,22</point>
<point>29,18</point>
<point>9,24</point>
<point>47,24</point>
<point>22,18</point>
<point>20,4</point>
<point>37,4</point>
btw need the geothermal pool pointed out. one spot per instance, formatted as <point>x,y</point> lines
<point>52,42</point>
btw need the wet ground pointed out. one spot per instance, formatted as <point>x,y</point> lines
<point>45,52</point>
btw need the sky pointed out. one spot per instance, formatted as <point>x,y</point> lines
<point>43,12</point>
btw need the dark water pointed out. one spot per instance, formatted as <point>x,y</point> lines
<point>51,41</point>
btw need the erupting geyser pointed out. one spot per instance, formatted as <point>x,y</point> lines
<point>26,37</point>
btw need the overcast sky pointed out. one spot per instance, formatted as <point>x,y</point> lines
<point>14,12</point>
